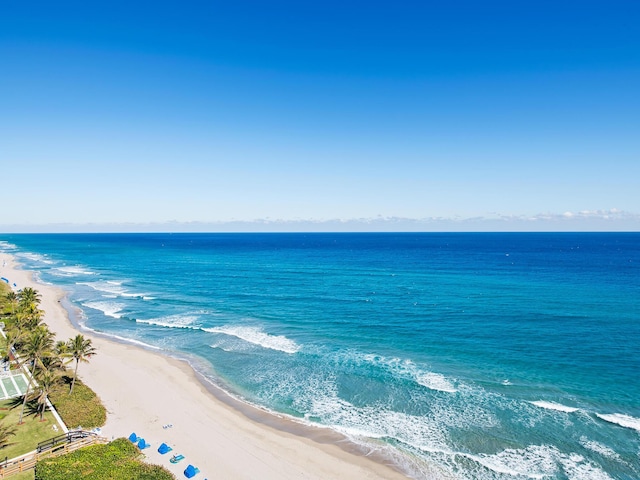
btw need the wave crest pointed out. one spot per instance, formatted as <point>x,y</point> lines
<point>436,381</point>
<point>558,407</point>
<point>621,419</point>
<point>258,337</point>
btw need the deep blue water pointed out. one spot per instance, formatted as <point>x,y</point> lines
<point>484,356</point>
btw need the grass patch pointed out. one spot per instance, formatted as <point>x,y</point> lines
<point>82,408</point>
<point>28,475</point>
<point>117,460</point>
<point>30,433</point>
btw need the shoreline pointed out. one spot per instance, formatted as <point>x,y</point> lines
<point>144,390</point>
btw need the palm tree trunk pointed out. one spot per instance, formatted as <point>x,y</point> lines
<point>24,402</point>
<point>75,374</point>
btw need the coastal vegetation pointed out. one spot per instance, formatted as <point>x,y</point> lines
<point>118,460</point>
<point>82,408</point>
<point>28,343</point>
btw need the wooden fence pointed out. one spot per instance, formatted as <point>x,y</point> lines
<point>54,447</point>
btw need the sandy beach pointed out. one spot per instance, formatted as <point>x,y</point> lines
<point>144,391</point>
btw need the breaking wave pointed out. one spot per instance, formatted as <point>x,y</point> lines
<point>256,336</point>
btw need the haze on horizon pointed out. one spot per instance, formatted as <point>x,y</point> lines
<point>277,116</point>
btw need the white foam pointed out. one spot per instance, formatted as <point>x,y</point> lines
<point>173,321</point>
<point>36,257</point>
<point>4,245</point>
<point>621,419</point>
<point>435,381</point>
<point>576,467</point>
<point>371,421</point>
<point>408,369</point>
<point>113,287</point>
<point>107,287</point>
<point>503,463</point>
<point>256,336</point>
<point>599,448</point>
<point>124,339</point>
<point>558,407</point>
<point>223,347</point>
<point>134,295</point>
<point>73,271</point>
<point>111,309</point>
<point>540,461</point>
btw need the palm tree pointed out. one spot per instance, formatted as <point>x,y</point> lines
<point>61,348</point>
<point>79,349</point>
<point>29,297</point>
<point>17,332</point>
<point>12,298</point>
<point>46,381</point>
<point>33,317</point>
<point>38,346</point>
<point>13,336</point>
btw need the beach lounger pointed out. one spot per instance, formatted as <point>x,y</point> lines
<point>176,458</point>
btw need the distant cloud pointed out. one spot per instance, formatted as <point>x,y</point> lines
<point>613,216</point>
<point>584,220</point>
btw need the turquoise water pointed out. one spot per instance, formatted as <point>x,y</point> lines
<point>480,356</point>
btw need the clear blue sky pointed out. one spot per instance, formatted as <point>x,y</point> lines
<point>438,115</point>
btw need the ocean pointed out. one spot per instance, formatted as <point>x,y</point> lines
<point>455,355</point>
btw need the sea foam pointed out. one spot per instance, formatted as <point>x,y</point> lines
<point>436,381</point>
<point>558,407</point>
<point>409,369</point>
<point>173,321</point>
<point>599,448</point>
<point>111,309</point>
<point>540,461</point>
<point>123,339</point>
<point>106,287</point>
<point>621,419</point>
<point>72,271</point>
<point>256,336</point>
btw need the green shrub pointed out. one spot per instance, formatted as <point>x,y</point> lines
<point>82,408</point>
<point>117,460</point>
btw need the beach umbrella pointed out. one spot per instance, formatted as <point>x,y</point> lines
<point>190,471</point>
<point>133,437</point>
<point>142,444</point>
<point>164,448</point>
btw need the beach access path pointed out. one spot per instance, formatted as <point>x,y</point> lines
<point>144,391</point>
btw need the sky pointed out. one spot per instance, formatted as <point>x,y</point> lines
<point>289,115</point>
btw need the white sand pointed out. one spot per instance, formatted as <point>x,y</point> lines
<point>143,391</point>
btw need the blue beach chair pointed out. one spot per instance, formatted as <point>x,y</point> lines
<point>142,444</point>
<point>164,448</point>
<point>191,471</point>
